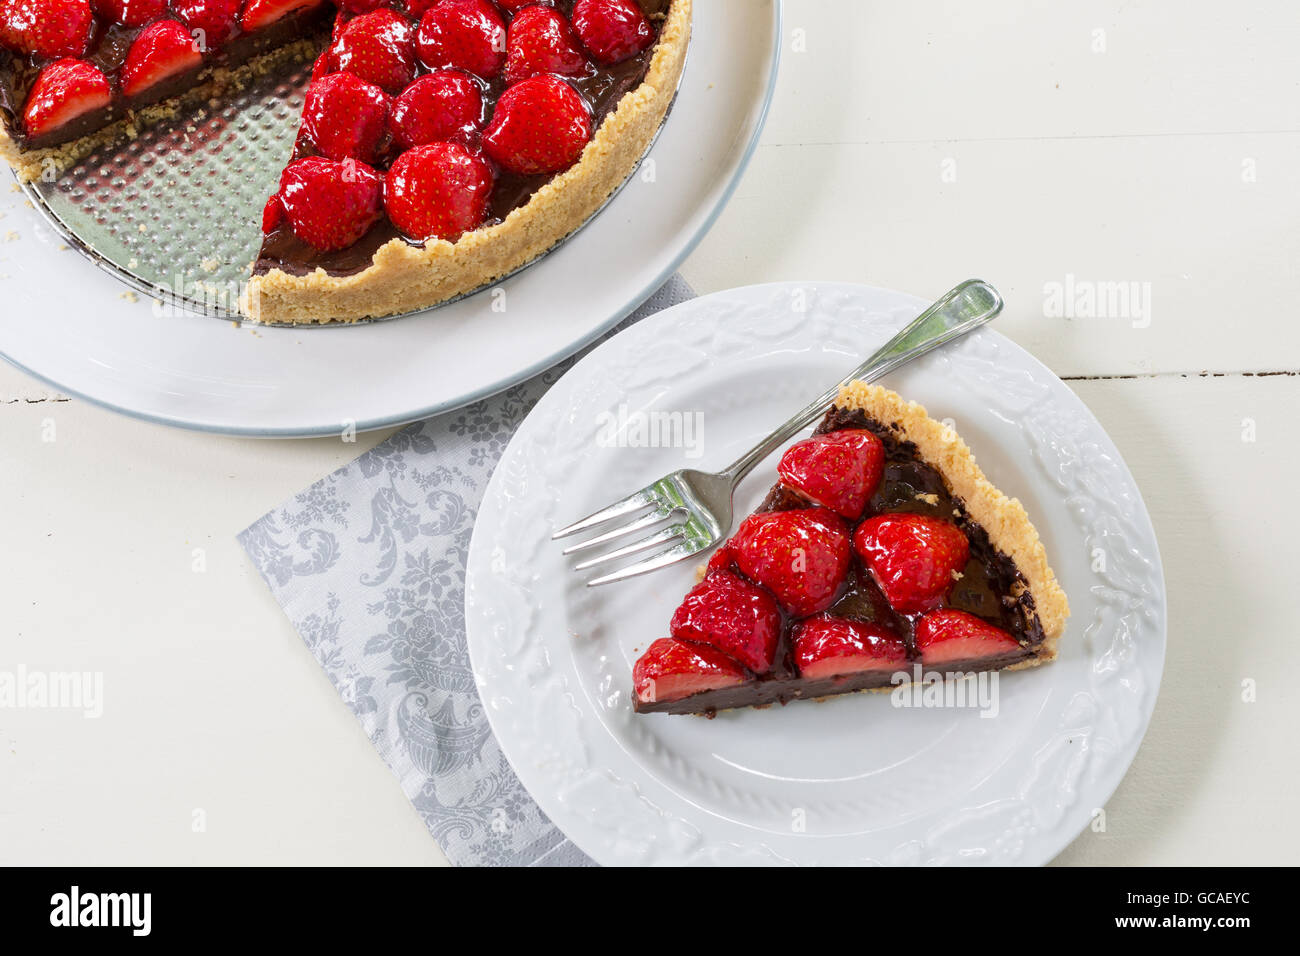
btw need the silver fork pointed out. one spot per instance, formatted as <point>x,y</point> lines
<point>697,505</point>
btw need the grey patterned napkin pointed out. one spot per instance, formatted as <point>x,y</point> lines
<point>369,565</point>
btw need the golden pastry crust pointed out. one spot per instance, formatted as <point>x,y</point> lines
<point>1005,519</point>
<point>218,84</point>
<point>403,278</point>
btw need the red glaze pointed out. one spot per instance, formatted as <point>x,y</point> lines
<point>344,116</point>
<point>330,203</point>
<point>540,126</point>
<point>541,41</point>
<point>64,90</point>
<point>612,30</point>
<point>826,646</point>
<point>216,18</point>
<point>671,670</point>
<point>731,614</point>
<point>465,35</point>
<point>948,635</point>
<point>802,557</point>
<point>912,558</point>
<point>841,470</point>
<point>50,28</point>
<point>260,13</point>
<point>131,13</point>
<point>162,50</point>
<point>437,191</point>
<point>437,106</point>
<point>379,47</point>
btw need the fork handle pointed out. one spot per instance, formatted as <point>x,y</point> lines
<point>961,310</point>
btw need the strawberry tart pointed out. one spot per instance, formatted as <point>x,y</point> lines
<point>882,554</point>
<point>443,143</point>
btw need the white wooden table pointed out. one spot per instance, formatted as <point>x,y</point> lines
<point>912,144</point>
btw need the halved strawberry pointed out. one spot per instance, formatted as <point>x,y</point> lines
<point>802,557</point>
<point>438,106</point>
<point>131,13</point>
<point>262,13</point>
<point>826,646</point>
<point>272,214</point>
<point>464,35</point>
<point>540,125</point>
<point>949,635</point>
<point>738,618</point>
<point>49,28</point>
<point>162,50</point>
<point>840,470</point>
<point>216,18</point>
<point>330,203</point>
<point>612,30</point>
<point>344,116</point>
<point>64,90</point>
<point>379,47</point>
<point>541,41</point>
<point>671,670</point>
<point>437,191</point>
<point>914,558</point>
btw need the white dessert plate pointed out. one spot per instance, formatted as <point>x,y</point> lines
<point>855,779</point>
<point>85,333</point>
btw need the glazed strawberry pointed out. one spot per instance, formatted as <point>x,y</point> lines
<point>541,41</point>
<point>437,191</point>
<point>344,116</point>
<point>162,50</point>
<point>132,13</point>
<point>826,646</point>
<point>330,203</point>
<point>272,214</point>
<point>64,90</point>
<point>840,470</point>
<point>379,47</point>
<point>949,635</point>
<point>612,30</point>
<point>437,106</point>
<point>49,28</point>
<point>671,670</point>
<point>724,559</point>
<point>463,34</point>
<point>262,13</point>
<point>736,617</point>
<point>540,126</point>
<point>358,7</point>
<point>514,6</point>
<point>216,18</point>
<point>914,559</point>
<point>802,557</point>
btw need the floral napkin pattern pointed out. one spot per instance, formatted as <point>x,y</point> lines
<point>369,565</point>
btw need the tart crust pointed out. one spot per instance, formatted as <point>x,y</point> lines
<point>1008,525</point>
<point>404,278</point>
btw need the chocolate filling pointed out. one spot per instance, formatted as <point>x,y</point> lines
<point>991,587</point>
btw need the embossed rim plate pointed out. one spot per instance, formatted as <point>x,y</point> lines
<point>80,332</point>
<point>851,780</point>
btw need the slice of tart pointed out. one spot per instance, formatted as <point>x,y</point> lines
<point>443,143</point>
<point>882,554</point>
